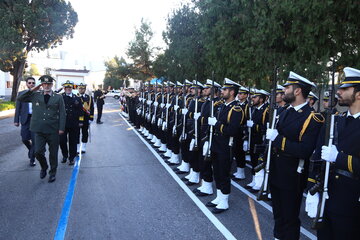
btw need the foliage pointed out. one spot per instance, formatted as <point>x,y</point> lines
<point>27,25</point>
<point>117,73</point>
<point>6,105</point>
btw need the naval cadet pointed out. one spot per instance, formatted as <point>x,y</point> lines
<point>312,99</point>
<point>227,125</point>
<point>293,140</point>
<point>74,120</point>
<point>88,111</point>
<point>341,218</point>
<point>47,122</point>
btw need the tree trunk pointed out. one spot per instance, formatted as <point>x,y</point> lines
<point>19,67</point>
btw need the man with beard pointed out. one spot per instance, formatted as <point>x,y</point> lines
<point>280,103</point>
<point>227,125</point>
<point>293,141</point>
<point>47,121</point>
<point>342,208</point>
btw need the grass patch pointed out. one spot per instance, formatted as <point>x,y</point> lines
<point>6,105</point>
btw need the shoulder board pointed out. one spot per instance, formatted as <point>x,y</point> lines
<point>318,117</point>
<point>217,103</point>
<point>237,108</point>
<point>201,100</point>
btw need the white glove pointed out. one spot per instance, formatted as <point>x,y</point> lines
<point>140,99</point>
<point>197,115</point>
<point>148,117</point>
<point>245,146</point>
<point>271,134</point>
<point>205,148</point>
<point>164,125</point>
<point>162,105</point>
<point>143,99</point>
<point>174,130</point>
<point>249,123</point>
<point>311,204</point>
<point>184,111</point>
<point>160,121</point>
<point>148,102</point>
<point>329,153</point>
<point>192,145</point>
<point>156,104</point>
<point>153,120</point>
<point>176,107</point>
<point>168,105</point>
<point>212,121</point>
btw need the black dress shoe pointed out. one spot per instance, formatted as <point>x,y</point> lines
<point>184,179</point>
<point>180,172</point>
<point>217,210</point>
<point>247,187</point>
<point>201,194</point>
<point>191,183</point>
<point>99,122</point>
<point>71,162</point>
<point>32,164</point>
<point>52,178</point>
<point>42,174</point>
<point>210,204</point>
<point>64,160</point>
<point>195,190</point>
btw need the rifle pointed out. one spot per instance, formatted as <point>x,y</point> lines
<point>167,102</point>
<point>264,190</point>
<point>183,137</point>
<point>149,99</point>
<point>329,136</point>
<point>155,107</point>
<point>207,155</point>
<point>175,107</point>
<point>143,101</point>
<point>250,117</point>
<point>196,110</point>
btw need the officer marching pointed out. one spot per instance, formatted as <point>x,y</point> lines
<point>88,111</point>
<point>74,120</point>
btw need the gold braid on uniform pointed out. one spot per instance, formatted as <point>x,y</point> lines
<point>316,116</point>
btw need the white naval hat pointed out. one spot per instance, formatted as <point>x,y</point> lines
<point>179,84</point>
<point>209,83</point>
<point>188,83</point>
<point>313,96</point>
<point>352,77</point>
<point>279,89</point>
<point>228,83</point>
<point>297,79</point>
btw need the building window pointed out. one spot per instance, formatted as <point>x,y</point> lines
<point>9,84</point>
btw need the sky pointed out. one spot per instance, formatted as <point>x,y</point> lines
<point>105,27</point>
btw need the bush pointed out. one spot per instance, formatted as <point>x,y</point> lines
<point>6,105</point>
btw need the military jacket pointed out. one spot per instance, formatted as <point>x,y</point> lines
<point>260,117</point>
<point>46,118</point>
<point>74,110</point>
<point>88,107</point>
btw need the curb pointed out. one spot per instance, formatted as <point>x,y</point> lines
<point>7,113</point>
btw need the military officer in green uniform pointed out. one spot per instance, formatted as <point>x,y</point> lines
<point>48,122</point>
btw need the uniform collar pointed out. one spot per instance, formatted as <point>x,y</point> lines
<point>356,115</point>
<point>298,107</point>
<point>259,107</point>
<point>227,104</point>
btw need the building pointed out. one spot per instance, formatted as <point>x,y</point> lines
<point>74,75</point>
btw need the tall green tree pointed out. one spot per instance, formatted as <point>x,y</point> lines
<point>117,73</point>
<point>141,52</point>
<point>27,25</point>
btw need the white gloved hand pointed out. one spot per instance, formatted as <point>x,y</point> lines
<point>143,99</point>
<point>205,148</point>
<point>311,204</point>
<point>197,115</point>
<point>212,121</point>
<point>160,121</point>
<point>156,104</point>
<point>162,105</point>
<point>329,153</point>
<point>148,102</point>
<point>176,107</point>
<point>249,123</point>
<point>153,120</point>
<point>174,130</point>
<point>168,105</point>
<point>184,111</point>
<point>164,125</point>
<point>271,134</point>
<point>245,146</point>
<point>148,117</point>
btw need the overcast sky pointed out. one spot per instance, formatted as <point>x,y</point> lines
<point>105,27</point>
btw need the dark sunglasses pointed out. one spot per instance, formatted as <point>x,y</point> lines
<point>30,82</point>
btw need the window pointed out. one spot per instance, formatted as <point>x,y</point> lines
<point>9,84</point>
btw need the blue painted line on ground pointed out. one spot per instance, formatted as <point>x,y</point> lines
<point>63,221</point>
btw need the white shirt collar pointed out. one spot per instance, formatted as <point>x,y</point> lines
<point>70,95</point>
<point>227,104</point>
<point>259,107</point>
<point>298,107</point>
<point>356,115</point>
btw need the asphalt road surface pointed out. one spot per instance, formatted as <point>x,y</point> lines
<point>123,190</point>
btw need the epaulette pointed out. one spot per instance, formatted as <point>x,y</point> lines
<point>235,108</point>
<point>201,100</point>
<point>217,103</point>
<point>318,117</point>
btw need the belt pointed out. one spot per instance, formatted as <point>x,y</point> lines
<point>346,174</point>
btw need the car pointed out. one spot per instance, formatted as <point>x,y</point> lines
<point>113,93</point>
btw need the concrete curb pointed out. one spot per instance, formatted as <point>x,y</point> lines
<point>7,113</point>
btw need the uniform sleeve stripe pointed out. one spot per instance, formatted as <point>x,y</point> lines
<point>350,164</point>
<point>221,128</point>
<point>283,144</point>
<point>311,180</point>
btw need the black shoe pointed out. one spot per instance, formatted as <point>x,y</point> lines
<point>64,160</point>
<point>71,162</point>
<point>180,172</point>
<point>184,179</point>
<point>247,187</point>
<point>42,174</point>
<point>82,152</point>
<point>191,183</point>
<point>99,122</point>
<point>201,194</point>
<point>210,204</point>
<point>32,164</point>
<point>217,210</point>
<point>52,178</point>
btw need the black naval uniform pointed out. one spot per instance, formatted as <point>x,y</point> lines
<point>88,109</point>
<point>342,209</point>
<point>298,132</point>
<point>229,119</point>
<point>99,100</point>
<point>74,117</point>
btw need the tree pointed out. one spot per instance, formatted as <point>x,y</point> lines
<point>27,25</point>
<point>117,73</point>
<point>141,52</point>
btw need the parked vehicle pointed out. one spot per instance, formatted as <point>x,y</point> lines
<point>113,93</point>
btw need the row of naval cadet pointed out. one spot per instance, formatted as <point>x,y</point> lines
<point>202,128</point>
<point>54,119</point>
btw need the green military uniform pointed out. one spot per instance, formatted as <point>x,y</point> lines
<point>47,119</point>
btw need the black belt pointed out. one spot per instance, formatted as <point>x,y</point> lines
<point>346,174</point>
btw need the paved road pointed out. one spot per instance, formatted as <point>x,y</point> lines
<point>123,191</point>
